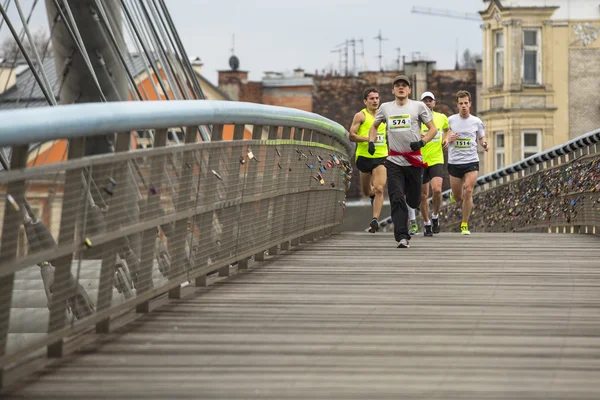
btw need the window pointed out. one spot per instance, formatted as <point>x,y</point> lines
<point>498,58</point>
<point>532,143</point>
<point>499,151</point>
<point>532,60</point>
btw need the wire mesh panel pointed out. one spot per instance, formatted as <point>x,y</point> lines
<point>107,233</point>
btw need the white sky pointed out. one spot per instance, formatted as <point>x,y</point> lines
<point>280,35</point>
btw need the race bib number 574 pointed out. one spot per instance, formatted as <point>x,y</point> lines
<point>399,122</point>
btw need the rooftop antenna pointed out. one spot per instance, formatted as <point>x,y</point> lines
<point>399,57</point>
<point>456,65</point>
<point>233,44</point>
<point>380,56</point>
<point>362,54</point>
<point>352,43</point>
<point>339,51</point>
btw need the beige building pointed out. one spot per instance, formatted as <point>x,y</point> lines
<point>541,75</point>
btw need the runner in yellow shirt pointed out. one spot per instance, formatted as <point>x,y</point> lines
<point>372,171</point>
<point>433,155</point>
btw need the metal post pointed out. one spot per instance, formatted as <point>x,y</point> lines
<point>62,271</point>
<point>150,209</point>
<point>13,218</point>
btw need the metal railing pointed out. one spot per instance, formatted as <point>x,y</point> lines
<point>512,182</point>
<point>86,239</point>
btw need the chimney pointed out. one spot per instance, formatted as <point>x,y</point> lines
<point>197,64</point>
<point>298,73</point>
<point>8,76</point>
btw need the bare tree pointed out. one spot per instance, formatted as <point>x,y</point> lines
<point>9,50</point>
<point>469,60</point>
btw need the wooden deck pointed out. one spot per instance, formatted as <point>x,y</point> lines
<point>490,316</point>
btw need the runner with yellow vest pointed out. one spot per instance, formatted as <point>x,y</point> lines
<point>372,170</point>
<point>433,155</point>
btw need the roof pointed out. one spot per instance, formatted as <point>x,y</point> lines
<point>27,93</point>
<point>287,82</point>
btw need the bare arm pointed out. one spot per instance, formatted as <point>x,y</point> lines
<point>483,143</point>
<point>373,131</point>
<point>358,119</point>
<point>431,133</point>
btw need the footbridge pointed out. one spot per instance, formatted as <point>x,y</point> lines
<point>194,248</point>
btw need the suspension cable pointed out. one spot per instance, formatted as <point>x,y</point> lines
<point>100,17</point>
<point>150,60</point>
<point>35,52</point>
<point>10,26</point>
<point>21,36</point>
<point>180,75</point>
<point>139,20</point>
<point>79,42</point>
<point>6,4</point>
<point>161,49</point>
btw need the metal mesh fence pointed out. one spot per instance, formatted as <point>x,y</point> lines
<point>103,234</point>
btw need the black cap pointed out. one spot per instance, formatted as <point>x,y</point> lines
<point>402,78</point>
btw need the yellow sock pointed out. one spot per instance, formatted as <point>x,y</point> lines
<point>464,224</point>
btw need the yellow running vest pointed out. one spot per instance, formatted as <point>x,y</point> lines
<point>362,148</point>
<point>433,153</point>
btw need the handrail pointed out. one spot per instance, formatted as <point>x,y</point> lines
<point>539,158</point>
<point>20,127</point>
<point>572,145</point>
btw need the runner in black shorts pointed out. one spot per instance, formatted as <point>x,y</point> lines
<point>433,155</point>
<point>372,170</point>
<point>463,160</point>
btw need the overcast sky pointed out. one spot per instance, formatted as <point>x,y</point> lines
<point>281,35</point>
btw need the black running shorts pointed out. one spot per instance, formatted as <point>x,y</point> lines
<point>367,165</point>
<point>435,171</point>
<point>459,170</point>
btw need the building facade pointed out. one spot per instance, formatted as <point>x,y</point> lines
<point>540,75</point>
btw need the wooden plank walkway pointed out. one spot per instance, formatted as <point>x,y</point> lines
<point>490,316</point>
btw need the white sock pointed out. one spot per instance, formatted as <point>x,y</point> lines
<point>435,216</point>
<point>427,223</point>
<point>411,214</point>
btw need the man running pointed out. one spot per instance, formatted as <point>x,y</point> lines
<point>463,160</point>
<point>404,164</point>
<point>433,155</point>
<point>372,170</point>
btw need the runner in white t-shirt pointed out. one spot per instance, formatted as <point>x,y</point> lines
<point>463,160</point>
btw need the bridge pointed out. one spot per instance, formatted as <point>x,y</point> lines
<point>212,268</point>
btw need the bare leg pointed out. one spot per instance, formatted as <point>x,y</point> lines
<point>436,188</point>
<point>365,184</point>
<point>470,180</point>
<point>425,202</point>
<point>456,184</point>
<point>379,180</point>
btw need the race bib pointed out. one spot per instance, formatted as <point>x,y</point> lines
<point>437,137</point>
<point>462,143</point>
<point>399,123</point>
<point>380,140</point>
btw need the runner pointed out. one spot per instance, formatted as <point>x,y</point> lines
<point>404,164</point>
<point>463,160</point>
<point>372,170</point>
<point>433,155</point>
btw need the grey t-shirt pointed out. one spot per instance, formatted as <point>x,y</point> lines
<point>403,126</point>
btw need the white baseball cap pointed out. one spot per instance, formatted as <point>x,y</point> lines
<point>427,94</point>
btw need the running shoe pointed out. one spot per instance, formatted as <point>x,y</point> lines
<point>464,229</point>
<point>435,222</point>
<point>452,199</point>
<point>374,225</point>
<point>414,228</point>
<point>403,244</point>
<point>372,199</point>
<point>428,231</point>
